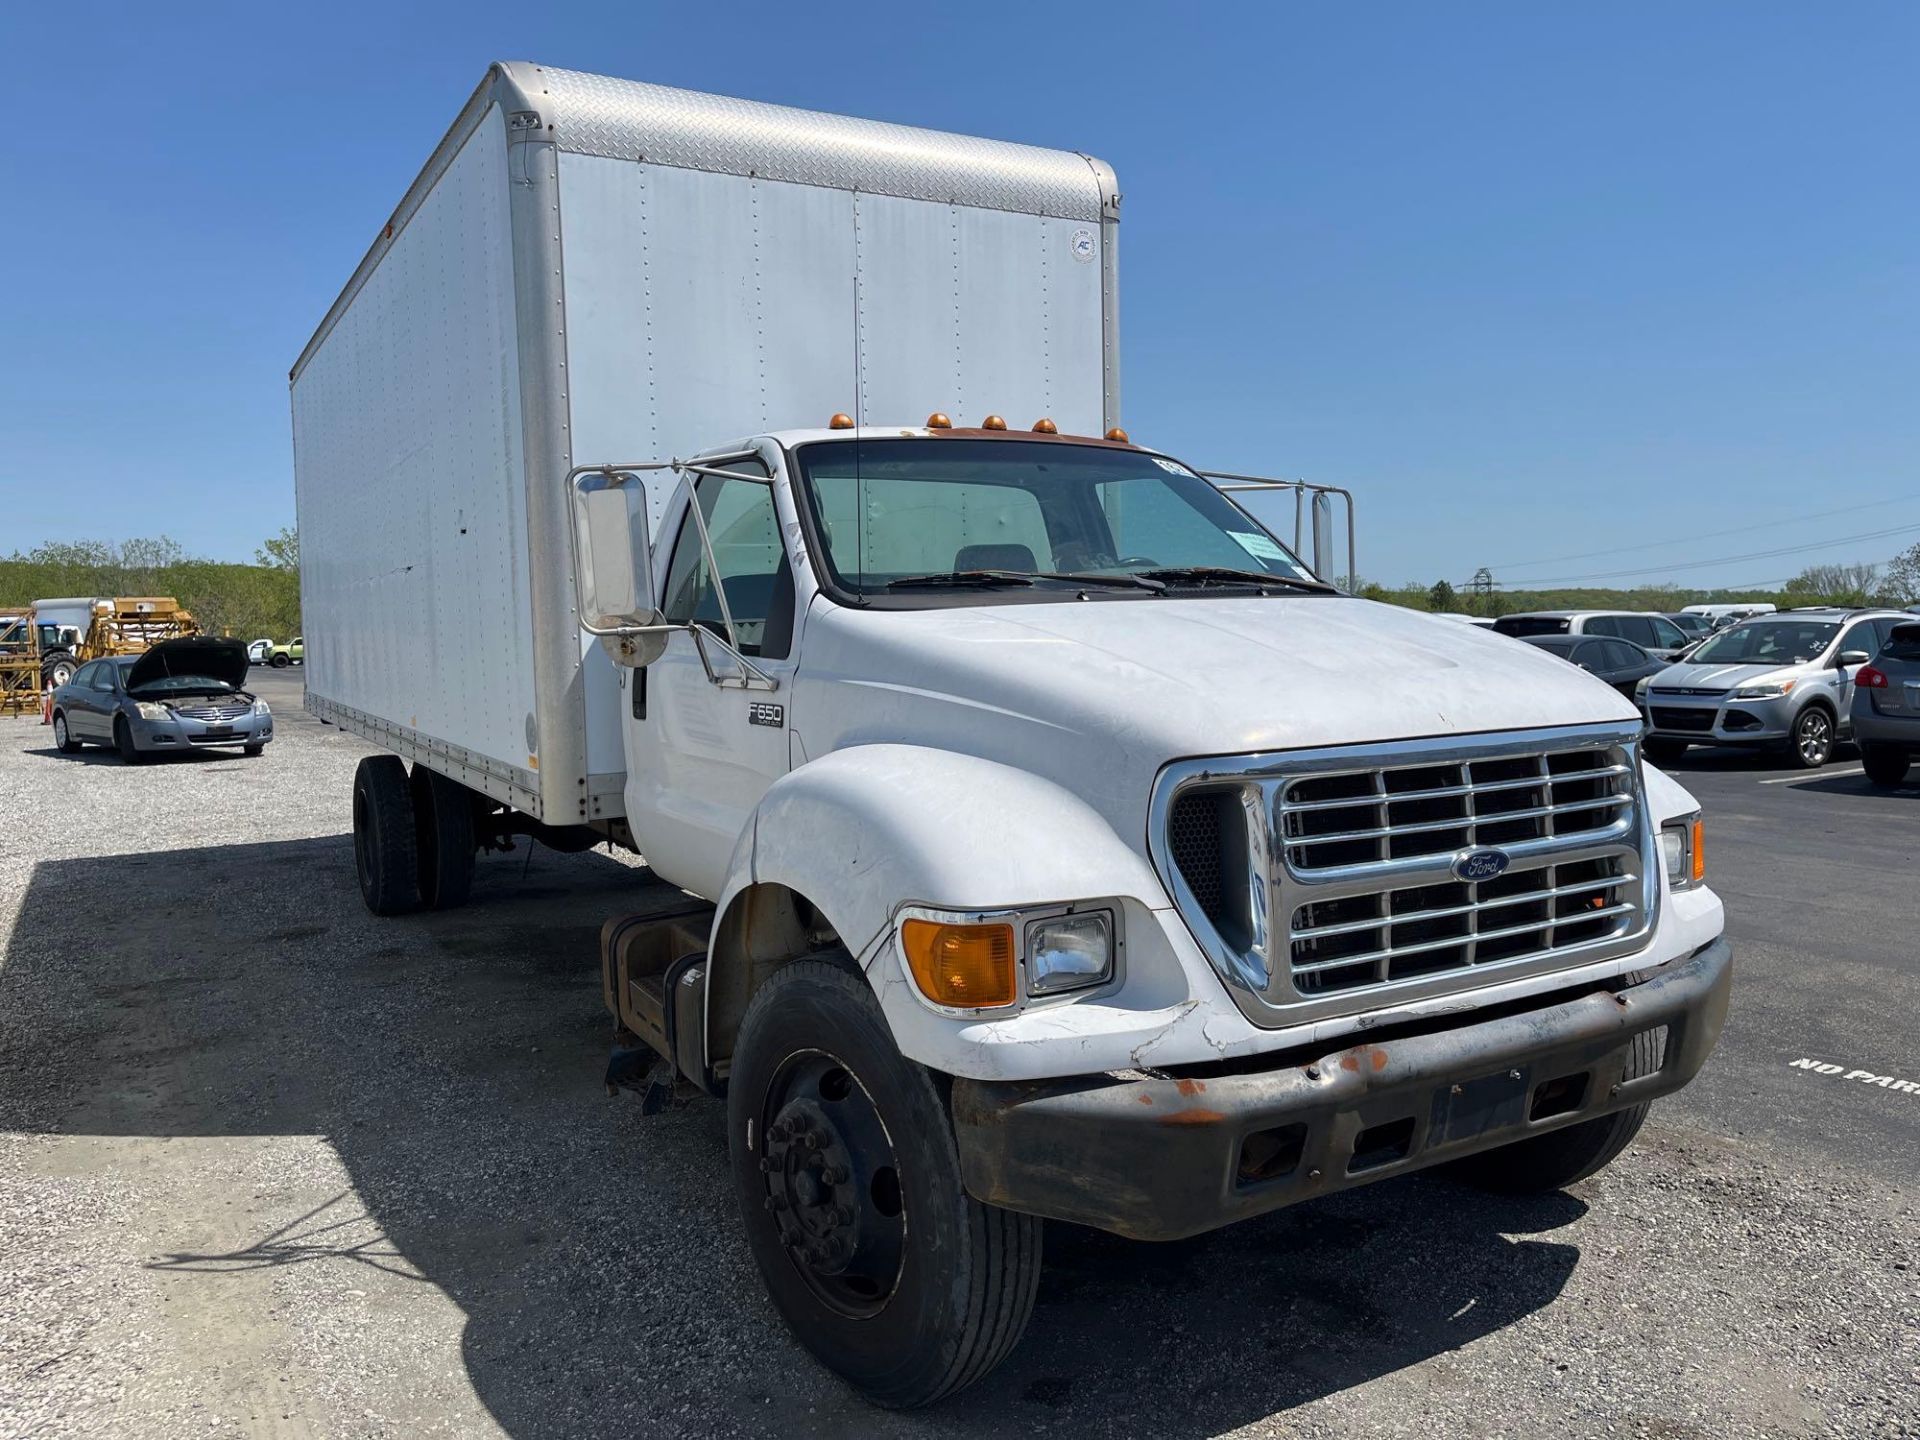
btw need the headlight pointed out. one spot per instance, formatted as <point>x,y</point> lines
<point>1766,690</point>
<point>1683,846</point>
<point>152,710</point>
<point>260,708</point>
<point>968,962</point>
<point>1068,952</point>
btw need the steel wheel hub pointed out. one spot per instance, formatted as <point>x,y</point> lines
<point>832,1184</point>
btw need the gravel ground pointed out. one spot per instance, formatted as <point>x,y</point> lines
<point>271,1166</point>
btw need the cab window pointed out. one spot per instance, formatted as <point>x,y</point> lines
<point>745,531</point>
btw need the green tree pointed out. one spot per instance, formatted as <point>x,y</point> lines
<point>1901,584</point>
<point>1441,597</point>
<point>281,552</point>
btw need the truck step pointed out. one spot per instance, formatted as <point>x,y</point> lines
<point>653,974</point>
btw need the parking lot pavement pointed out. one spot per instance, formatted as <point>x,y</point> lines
<point>268,1164</point>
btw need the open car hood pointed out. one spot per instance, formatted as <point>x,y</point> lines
<point>222,660</point>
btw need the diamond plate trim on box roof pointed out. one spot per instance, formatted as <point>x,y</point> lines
<point>631,120</point>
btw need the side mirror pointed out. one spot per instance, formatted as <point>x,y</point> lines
<point>613,563</point>
<point>1852,657</point>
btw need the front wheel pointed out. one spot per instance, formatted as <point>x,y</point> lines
<point>1812,742</point>
<point>63,740</point>
<point>280,662</point>
<point>849,1187</point>
<point>123,741</point>
<point>1884,764</point>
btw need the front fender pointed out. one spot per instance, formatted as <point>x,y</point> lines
<point>862,831</point>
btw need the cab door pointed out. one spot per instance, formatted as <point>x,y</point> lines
<point>706,735</point>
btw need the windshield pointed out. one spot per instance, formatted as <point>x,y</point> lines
<point>957,515</point>
<point>1767,642</point>
<point>1521,626</point>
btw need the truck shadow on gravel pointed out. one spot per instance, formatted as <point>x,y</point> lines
<point>453,1062</point>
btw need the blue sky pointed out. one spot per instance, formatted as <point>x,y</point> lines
<point>1533,280</point>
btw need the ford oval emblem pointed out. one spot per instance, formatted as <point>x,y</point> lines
<point>1479,864</point>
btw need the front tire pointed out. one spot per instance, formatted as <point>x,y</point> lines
<point>123,741</point>
<point>1564,1157</point>
<point>443,839</point>
<point>1884,764</point>
<point>1812,743</point>
<point>279,662</point>
<point>849,1186</point>
<point>383,843</point>
<point>63,740</point>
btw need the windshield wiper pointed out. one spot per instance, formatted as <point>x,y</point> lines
<point>1129,580</point>
<point>960,577</point>
<point>1226,575</point>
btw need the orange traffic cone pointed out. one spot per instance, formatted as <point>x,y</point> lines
<point>46,706</point>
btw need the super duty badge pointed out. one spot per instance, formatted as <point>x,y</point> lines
<point>765,712</point>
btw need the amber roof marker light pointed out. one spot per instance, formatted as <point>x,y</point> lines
<point>841,421</point>
<point>1044,426</point>
<point>1116,433</point>
<point>993,422</point>
<point>938,421</point>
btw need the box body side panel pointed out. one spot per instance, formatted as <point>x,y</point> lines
<point>410,480</point>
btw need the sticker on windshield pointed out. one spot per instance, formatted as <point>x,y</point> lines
<point>1260,546</point>
<point>1173,467</point>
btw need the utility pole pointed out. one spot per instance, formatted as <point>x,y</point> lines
<point>1482,585</point>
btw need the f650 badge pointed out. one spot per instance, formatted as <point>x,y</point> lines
<point>763,712</point>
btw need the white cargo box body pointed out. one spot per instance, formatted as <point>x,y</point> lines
<point>592,270</point>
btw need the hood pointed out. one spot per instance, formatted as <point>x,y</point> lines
<point>1685,676</point>
<point>222,660</point>
<point>1116,689</point>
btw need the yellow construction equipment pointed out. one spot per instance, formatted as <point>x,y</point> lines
<point>44,644</point>
<point>19,663</point>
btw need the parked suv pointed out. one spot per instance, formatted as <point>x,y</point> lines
<point>1655,634</point>
<point>1781,680</point>
<point>1886,705</point>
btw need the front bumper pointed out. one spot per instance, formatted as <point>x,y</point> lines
<point>1157,1157</point>
<point>1706,720</point>
<point>182,733</point>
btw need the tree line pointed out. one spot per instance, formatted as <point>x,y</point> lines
<point>1895,584</point>
<point>226,598</point>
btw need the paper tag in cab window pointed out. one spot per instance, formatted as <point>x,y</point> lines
<point>1261,547</point>
<point>1173,467</point>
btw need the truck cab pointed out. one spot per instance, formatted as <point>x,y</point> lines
<point>1039,765</point>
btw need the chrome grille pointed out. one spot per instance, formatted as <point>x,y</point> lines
<point>1311,877</point>
<point>229,710</point>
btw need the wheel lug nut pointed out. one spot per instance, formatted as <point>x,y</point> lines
<point>776,1202</point>
<point>813,1139</point>
<point>766,1165</point>
<point>834,1174</point>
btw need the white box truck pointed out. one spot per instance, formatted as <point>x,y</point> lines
<point>1055,842</point>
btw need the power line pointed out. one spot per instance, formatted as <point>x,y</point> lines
<point>1709,535</point>
<point>1675,565</point>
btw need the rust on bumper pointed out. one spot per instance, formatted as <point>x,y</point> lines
<point>1162,1157</point>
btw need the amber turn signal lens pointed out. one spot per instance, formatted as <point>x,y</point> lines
<point>1699,851</point>
<point>938,421</point>
<point>1116,433</point>
<point>967,967</point>
<point>993,422</point>
<point>842,421</point>
<point>1044,426</point>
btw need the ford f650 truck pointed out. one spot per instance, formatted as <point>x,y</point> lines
<point>753,487</point>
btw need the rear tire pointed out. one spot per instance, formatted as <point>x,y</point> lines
<point>57,671</point>
<point>443,838</point>
<point>1662,751</point>
<point>383,836</point>
<point>880,1263</point>
<point>1884,764</point>
<point>1563,1157</point>
<point>62,737</point>
<point>123,741</point>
